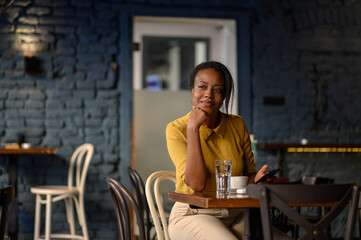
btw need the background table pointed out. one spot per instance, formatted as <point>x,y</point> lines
<point>282,148</point>
<point>14,156</point>
<point>13,176</point>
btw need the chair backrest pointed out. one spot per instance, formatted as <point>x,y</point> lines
<point>323,194</point>
<point>122,199</point>
<point>157,177</point>
<point>312,180</point>
<point>7,195</point>
<point>139,188</point>
<point>79,163</point>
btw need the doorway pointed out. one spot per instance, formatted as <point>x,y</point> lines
<point>169,48</point>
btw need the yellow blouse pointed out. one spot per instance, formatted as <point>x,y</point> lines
<point>228,141</point>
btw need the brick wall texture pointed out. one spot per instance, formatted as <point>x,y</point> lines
<point>306,53</point>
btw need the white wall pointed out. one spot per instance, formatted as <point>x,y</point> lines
<point>153,110</point>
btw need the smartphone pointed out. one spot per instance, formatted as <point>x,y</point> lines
<point>268,174</point>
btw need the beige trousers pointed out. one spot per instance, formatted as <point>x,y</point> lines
<point>187,223</point>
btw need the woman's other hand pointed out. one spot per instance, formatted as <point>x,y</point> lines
<point>261,173</point>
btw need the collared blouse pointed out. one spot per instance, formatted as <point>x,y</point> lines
<point>230,140</point>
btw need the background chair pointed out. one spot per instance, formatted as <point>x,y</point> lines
<point>73,193</point>
<point>121,197</point>
<point>139,188</point>
<point>7,195</point>
<point>157,178</point>
<point>312,180</point>
<point>280,195</point>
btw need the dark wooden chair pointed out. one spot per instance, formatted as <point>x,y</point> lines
<point>322,194</point>
<point>139,189</point>
<point>7,195</point>
<point>312,214</point>
<point>122,200</point>
<point>320,211</point>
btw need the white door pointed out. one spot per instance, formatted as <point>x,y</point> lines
<point>154,109</point>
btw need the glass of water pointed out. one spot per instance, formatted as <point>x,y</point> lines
<point>223,177</point>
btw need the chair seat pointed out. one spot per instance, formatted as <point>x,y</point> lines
<point>54,190</point>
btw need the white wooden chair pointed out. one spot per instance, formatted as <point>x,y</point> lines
<point>73,193</point>
<point>156,212</point>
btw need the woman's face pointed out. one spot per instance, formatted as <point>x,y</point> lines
<point>208,91</point>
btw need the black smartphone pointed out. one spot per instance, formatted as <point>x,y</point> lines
<point>268,175</point>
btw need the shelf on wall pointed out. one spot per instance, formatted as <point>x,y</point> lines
<point>310,147</point>
<point>281,148</point>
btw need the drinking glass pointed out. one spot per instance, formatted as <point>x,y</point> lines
<point>223,176</point>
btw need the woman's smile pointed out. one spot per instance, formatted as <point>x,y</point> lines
<point>207,104</point>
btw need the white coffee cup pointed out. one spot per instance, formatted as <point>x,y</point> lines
<point>238,182</point>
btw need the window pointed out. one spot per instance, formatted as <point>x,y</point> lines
<point>168,61</point>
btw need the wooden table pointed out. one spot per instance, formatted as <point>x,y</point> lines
<point>251,206</point>
<point>210,200</point>
<point>28,151</point>
<point>13,175</point>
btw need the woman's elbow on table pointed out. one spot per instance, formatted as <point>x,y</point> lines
<point>197,186</point>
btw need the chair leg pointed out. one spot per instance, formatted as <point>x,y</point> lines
<point>37,217</point>
<point>359,222</point>
<point>82,219</point>
<point>70,214</point>
<point>48,217</point>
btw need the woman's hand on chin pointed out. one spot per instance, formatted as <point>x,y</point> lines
<point>198,117</point>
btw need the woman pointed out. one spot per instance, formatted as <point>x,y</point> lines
<point>195,141</point>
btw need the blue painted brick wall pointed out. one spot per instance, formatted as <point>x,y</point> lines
<point>305,51</point>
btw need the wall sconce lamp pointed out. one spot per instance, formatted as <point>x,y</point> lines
<point>33,65</point>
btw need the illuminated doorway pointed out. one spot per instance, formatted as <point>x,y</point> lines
<point>169,48</point>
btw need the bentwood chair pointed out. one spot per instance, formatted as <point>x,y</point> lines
<point>323,194</point>
<point>139,189</point>
<point>72,194</point>
<point>122,200</point>
<point>7,195</point>
<point>158,212</point>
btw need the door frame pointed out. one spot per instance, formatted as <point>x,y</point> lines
<point>125,60</point>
